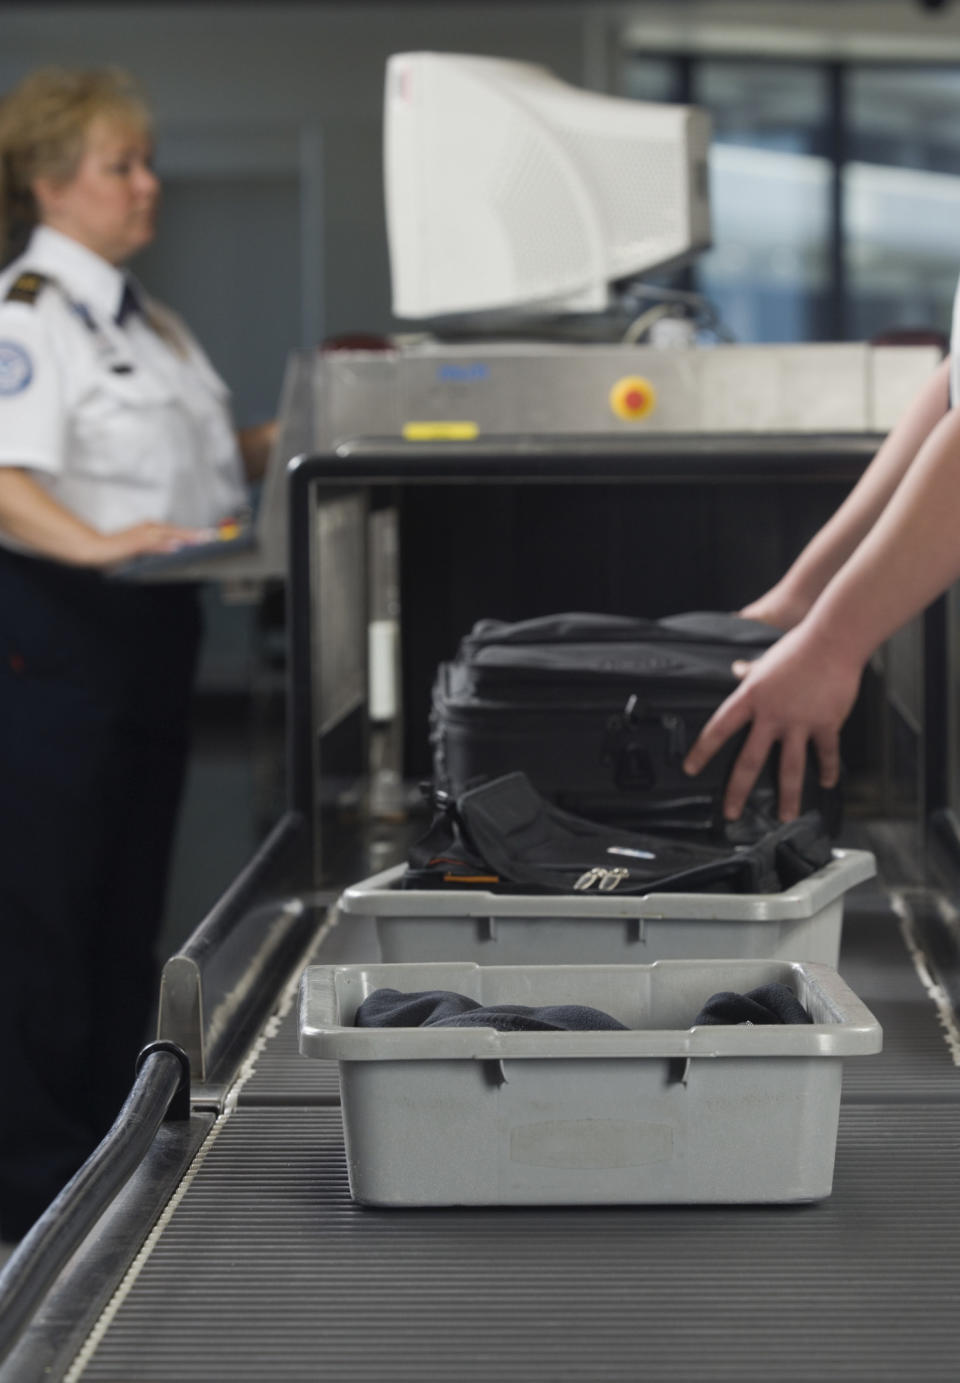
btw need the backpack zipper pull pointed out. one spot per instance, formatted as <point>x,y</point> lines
<point>611,878</point>
<point>588,879</point>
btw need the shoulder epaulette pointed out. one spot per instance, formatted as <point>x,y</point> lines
<point>26,288</point>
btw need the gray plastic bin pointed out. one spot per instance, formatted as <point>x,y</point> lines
<point>803,923</point>
<point>661,1113</point>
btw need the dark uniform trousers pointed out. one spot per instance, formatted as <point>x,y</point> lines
<point>95,686</point>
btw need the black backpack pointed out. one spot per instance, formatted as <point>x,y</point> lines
<point>503,837</point>
<point>599,711</point>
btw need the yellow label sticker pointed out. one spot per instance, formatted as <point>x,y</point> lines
<point>440,432</point>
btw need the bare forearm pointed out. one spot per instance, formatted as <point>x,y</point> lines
<point>35,519</point>
<point>911,554</point>
<point>802,689</point>
<point>45,527</point>
<point>841,535</point>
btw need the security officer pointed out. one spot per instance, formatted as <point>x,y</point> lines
<point>115,440</point>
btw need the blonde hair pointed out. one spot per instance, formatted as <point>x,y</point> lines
<point>43,124</point>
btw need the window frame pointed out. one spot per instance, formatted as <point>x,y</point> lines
<point>837,73</point>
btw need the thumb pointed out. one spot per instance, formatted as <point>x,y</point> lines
<point>740,668</point>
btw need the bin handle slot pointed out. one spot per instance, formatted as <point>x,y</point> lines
<point>494,1073</point>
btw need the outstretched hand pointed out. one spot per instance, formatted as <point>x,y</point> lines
<point>140,540</point>
<point>801,690</point>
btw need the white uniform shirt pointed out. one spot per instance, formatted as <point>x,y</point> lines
<point>118,423</point>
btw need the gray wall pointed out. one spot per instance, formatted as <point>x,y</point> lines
<point>227,85</point>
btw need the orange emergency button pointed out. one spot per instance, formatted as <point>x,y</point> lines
<point>633,397</point>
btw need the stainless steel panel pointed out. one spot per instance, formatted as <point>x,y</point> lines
<point>358,395</point>
<point>517,389</point>
<point>896,373</point>
<point>340,612</point>
<point>784,388</point>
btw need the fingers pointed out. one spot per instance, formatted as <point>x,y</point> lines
<point>724,722</point>
<point>827,744</point>
<point>747,769</point>
<point>731,716</point>
<point>165,537</point>
<point>749,765</point>
<point>793,763</point>
<point>160,541</point>
<point>779,705</point>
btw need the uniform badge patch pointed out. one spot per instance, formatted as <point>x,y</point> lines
<point>16,368</point>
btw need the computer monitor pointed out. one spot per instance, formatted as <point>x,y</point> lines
<point>507,189</point>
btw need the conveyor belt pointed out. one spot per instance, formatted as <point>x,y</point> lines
<point>915,1064</point>
<point>282,1075</point>
<point>267,1270</point>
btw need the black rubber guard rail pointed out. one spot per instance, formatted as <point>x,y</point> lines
<point>227,947</point>
<point>161,1090</point>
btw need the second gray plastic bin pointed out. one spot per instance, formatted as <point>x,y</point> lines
<point>802,923</point>
<point>663,1112</point>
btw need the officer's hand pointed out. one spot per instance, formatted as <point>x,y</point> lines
<point>142,538</point>
<point>801,689</point>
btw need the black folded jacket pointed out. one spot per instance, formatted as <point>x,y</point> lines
<point>441,1008</point>
<point>769,1003</point>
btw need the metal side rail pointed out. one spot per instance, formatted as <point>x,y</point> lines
<point>215,990</point>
